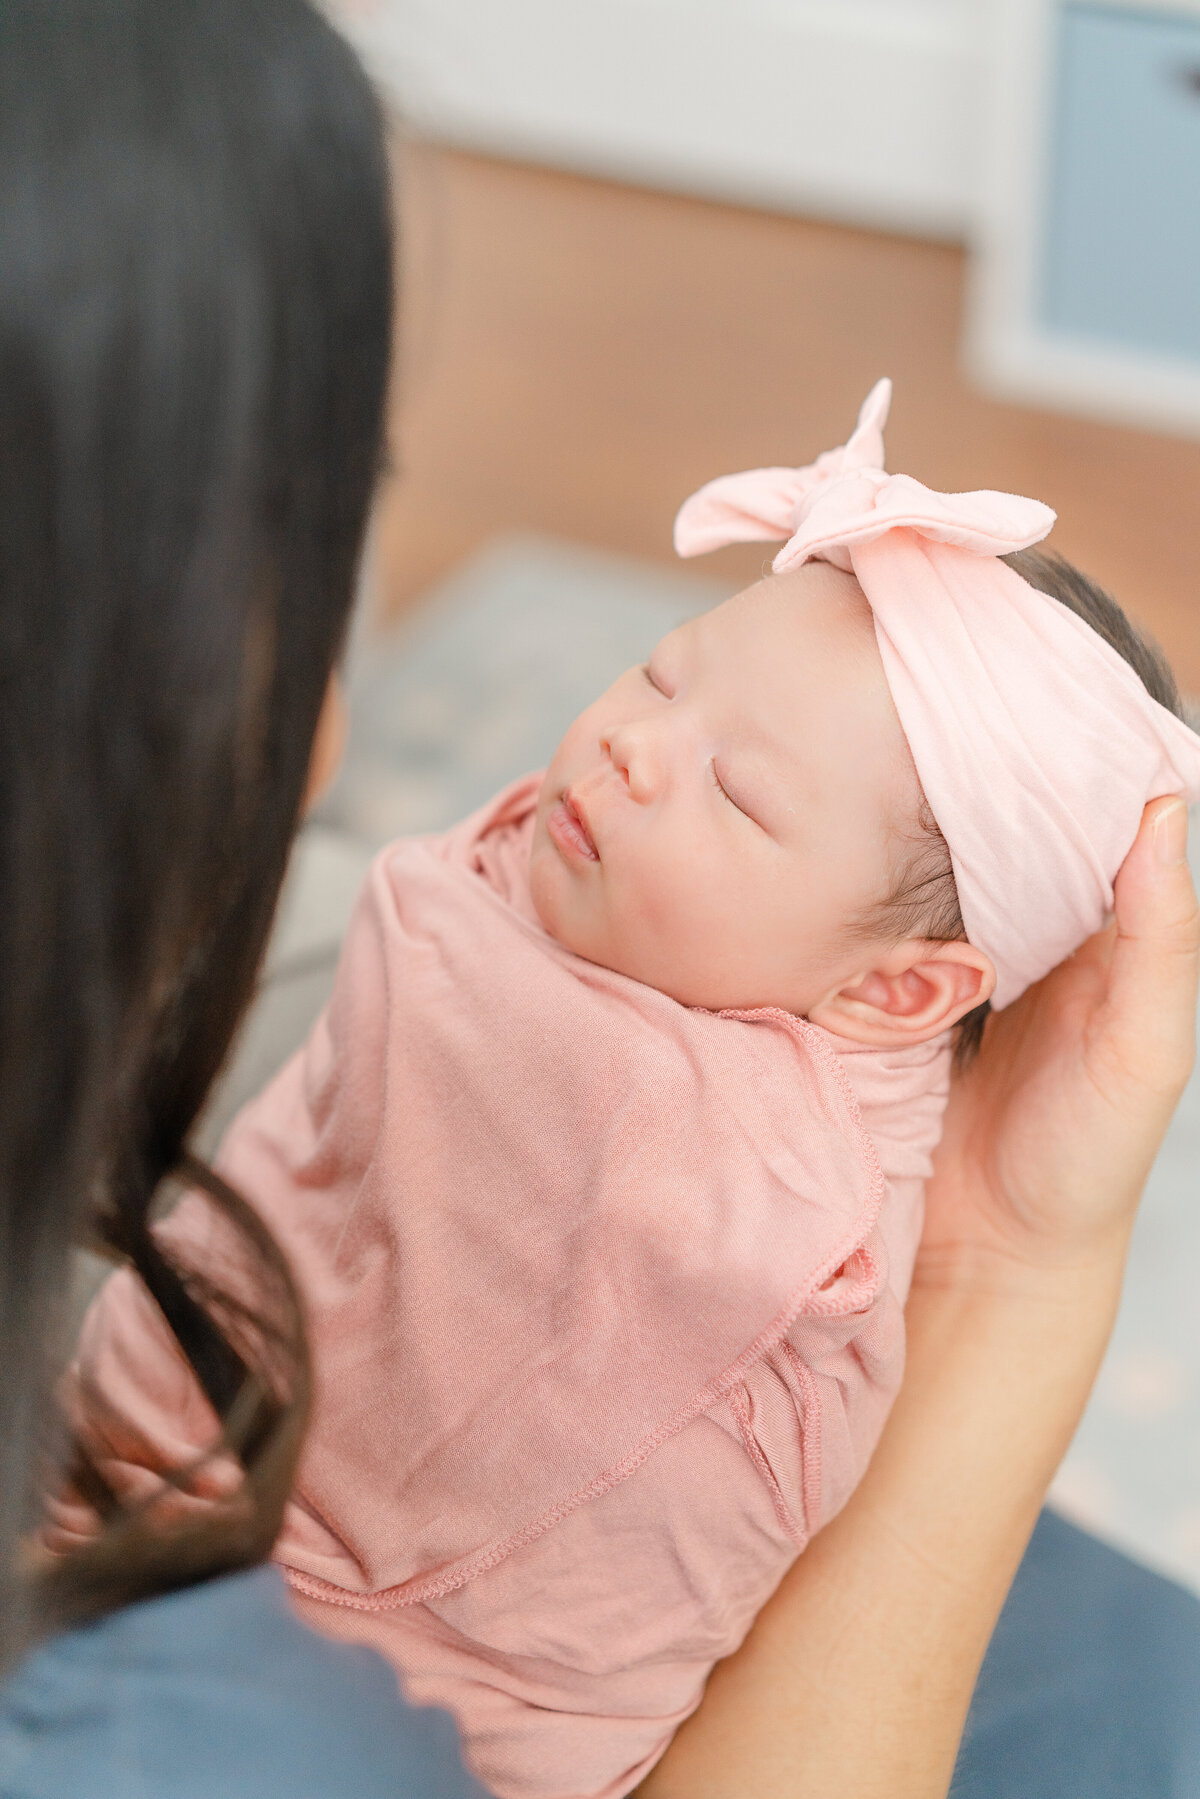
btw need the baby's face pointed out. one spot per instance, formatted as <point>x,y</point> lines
<point>719,819</point>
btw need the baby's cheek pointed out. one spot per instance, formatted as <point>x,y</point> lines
<point>656,934</point>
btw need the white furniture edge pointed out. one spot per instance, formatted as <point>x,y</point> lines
<point>858,110</point>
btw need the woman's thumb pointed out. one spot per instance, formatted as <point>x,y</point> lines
<point>1156,957</point>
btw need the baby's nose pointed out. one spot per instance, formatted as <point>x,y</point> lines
<point>636,758</point>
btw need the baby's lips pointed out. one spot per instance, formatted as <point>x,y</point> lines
<point>568,827</point>
<point>575,808</point>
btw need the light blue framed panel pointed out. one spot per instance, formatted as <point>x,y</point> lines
<point>1121,251</point>
<point>1087,282</point>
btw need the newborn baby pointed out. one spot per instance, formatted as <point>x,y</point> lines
<point>602,1173</point>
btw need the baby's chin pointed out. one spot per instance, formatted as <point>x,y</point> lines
<point>555,900</point>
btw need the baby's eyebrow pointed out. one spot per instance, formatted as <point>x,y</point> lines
<point>672,646</point>
<point>666,663</point>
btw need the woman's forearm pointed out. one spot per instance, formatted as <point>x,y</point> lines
<point>857,1676</point>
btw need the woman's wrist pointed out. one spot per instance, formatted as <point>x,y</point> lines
<point>1026,1335</point>
<point>1024,1268</point>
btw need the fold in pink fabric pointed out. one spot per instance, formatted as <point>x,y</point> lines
<point>604,1297</point>
<point>1036,743</point>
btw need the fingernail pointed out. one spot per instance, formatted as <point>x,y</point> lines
<point>1170,835</point>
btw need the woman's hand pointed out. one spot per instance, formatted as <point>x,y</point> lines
<point>1050,1135</point>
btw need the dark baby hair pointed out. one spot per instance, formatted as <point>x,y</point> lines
<point>924,898</point>
<point>195,329</point>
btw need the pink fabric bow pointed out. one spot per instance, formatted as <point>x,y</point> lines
<point>1036,743</point>
<point>845,498</point>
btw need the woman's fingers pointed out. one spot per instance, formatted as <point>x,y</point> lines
<point>1049,1137</point>
<point>1150,1017</point>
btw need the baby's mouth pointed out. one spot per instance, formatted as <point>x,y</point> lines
<point>569,831</point>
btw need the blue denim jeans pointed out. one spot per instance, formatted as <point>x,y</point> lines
<point>1091,1686</point>
<point>1091,1690</point>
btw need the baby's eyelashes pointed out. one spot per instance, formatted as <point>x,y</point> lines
<point>721,788</point>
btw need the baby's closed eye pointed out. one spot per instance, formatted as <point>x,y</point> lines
<point>723,789</point>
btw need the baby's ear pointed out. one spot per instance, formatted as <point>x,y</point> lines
<point>915,991</point>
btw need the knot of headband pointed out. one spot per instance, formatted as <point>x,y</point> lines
<point>1035,742</point>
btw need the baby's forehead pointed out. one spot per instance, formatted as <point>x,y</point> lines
<point>812,610</point>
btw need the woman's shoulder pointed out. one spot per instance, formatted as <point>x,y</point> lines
<point>215,1690</point>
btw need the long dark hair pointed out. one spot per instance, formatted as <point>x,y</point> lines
<point>195,310</point>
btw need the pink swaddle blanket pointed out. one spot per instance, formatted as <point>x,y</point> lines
<point>604,1319</point>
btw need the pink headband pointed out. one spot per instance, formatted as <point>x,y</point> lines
<point>1036,743</point>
